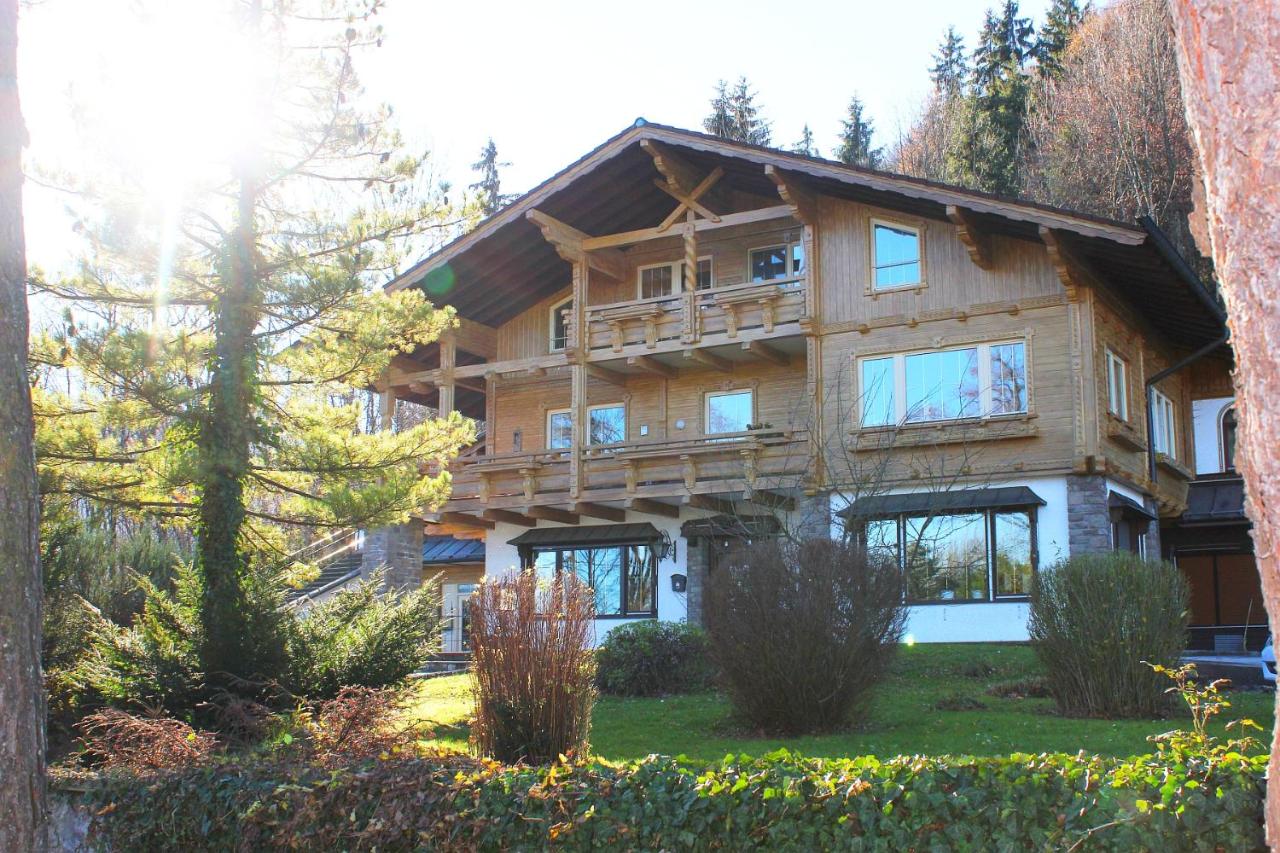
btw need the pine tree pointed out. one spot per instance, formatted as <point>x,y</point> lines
<point>806,145</point>
<point>736,116</point>
<point>489,187</point>
<point>950,64</point>
<point>1005,43</point>
<point>855,139</point>
<point>1060,24</point>
<point>218,343</point>
<point>986,154</point>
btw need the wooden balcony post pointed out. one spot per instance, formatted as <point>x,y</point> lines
<point>448,360</point>
<point>689,331</point>
<point>387,403</point>
<point>578,378</point>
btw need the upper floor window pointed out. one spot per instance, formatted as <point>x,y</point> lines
<point>896,255</point>
<point>608,425</point>
<point>950,384</point>
<point>729,411</point>
<point>560,324</point>
<point>657,280</point>
<point>1162,422</point>
<point>1227,430</point>
<point>706,278</point>
<point>1117,386</point>
<point>773,262</point>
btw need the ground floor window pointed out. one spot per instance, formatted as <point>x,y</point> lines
<point>623,577</point>
<point>973,556</point>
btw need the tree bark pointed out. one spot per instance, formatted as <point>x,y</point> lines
<point>1229,61</point>
<point>22,705</point>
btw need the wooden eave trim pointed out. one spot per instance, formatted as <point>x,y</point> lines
<point>975,239</point>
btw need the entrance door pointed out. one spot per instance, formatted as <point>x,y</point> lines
<point>457,617</point>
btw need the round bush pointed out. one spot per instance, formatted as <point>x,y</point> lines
<point>653,659</point>
<point>1097,620</point>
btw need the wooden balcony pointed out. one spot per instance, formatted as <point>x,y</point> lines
<point>734,465</point>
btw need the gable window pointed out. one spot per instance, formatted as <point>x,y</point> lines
<point>608,425</point>
<point>560,324</point>
<point>775,262</point>
<point>623,578</point>
<point>974,556</point>
<point>895,255</point>
<point>1117,386</point>
<point>1227,433</point>
<point>729,411</point>
<point>964,382</point>
<point>1162,423</point>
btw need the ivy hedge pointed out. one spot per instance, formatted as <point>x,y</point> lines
<point>1167,802</point>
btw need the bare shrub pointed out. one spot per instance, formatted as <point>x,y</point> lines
<point>803,631</point>
<point>361,722</point>
<point>113,738</point>
<point>533,666</point>
<point>1095,619</point>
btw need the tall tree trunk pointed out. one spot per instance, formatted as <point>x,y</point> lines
<point>1229,61</point>
<point>22,708</point>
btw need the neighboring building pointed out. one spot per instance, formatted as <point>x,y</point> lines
<point>679,340</point>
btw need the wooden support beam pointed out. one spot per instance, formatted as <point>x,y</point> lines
<point>477,338</point>
<point>709,359</point>
<point>550,513</point>
<point>772,500</point>
<point>626,238</point>
<point>689,201</point>
<point>462,519</point>
<point>647,506</point>
<point>421,387</point>
<point>803,203</point>
<point>604,374</point>
<point>975,239</point>
<point>608,513</point>
<point>764,352</point>
<point>570,244</point>
<point>679,173</point>
<point>649,364</point>
<point>711,504</point>
<point>510,516</point>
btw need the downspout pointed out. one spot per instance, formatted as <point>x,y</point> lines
<point>1170,254</point>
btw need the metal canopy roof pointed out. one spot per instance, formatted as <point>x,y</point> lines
<point>587,536</point>
<point>958,500</point>
<point>449,549</point>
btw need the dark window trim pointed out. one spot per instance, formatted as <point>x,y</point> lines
<point>558,550</point>
<point>989,514</point>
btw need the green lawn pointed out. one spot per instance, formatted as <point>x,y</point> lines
<point>904,716</point>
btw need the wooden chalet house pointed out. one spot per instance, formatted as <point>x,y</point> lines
<point>680,339</point>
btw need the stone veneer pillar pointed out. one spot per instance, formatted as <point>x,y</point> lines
<point>812,518</point>
<point>398,547</point>
<point>1089,517</point>
<point>696,564</point>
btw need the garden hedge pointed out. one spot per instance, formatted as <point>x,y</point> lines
<point>779,802</point>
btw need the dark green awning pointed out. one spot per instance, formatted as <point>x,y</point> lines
<point>934,503</point>
<point>586,536</point>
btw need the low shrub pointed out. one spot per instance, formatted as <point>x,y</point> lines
<point>114,739</point>
<point>1096,620</point>
<point>802,631</point>
<point>653,659</point>
<point>533,667</point>
<point>1172,801</point>
<point>361,722</point>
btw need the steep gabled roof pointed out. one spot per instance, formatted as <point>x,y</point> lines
<point>503,266</point>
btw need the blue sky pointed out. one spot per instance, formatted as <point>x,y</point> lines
<point>550,80</point>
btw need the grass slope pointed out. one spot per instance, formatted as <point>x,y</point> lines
<point>904,716</point>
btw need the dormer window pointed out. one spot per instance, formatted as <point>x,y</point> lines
<point>560,324</point>
<point>895,256</point>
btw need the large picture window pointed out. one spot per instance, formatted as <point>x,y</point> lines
<point>974,556</point>
<point>951,384</point>
<point>622,577</point>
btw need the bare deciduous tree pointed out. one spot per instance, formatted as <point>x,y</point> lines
<point>22,745</point>
<point>1229,59</point>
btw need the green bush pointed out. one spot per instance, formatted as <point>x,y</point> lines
<point>1172,801</point>
<point>653,659</point>
<point>1097,620</point>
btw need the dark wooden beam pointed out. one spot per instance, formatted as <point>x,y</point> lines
<point>764,352</point>
<point>550,513</point>
<point>709,359</point>
<point>604,374</point>
<point>772,500</point>
<point>652,507</point>
<point>975,239</point>
<point>510,516</point>
<point>462,519</point>
<point>649,364</point>
<point>608,513</point>
<point>711,503</point>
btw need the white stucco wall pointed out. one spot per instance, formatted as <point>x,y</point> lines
<point>502,558</point>
<point>1205,418</point>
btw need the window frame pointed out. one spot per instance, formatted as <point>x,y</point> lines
<point>1164,424</point>
<point>896,225</point>
<point>620,404</point>
<point>1117,366</point>
<point>1227,462</point>
<point>788,251</point>
<point>675,279</point>
<point>986,392</point>
<point>989,515</point>
<point>530,559</point>
<point>556,312</point>
<point>724,392</point>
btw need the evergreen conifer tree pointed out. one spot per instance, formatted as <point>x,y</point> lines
<point>855,138</point>
<point>736,116</point>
